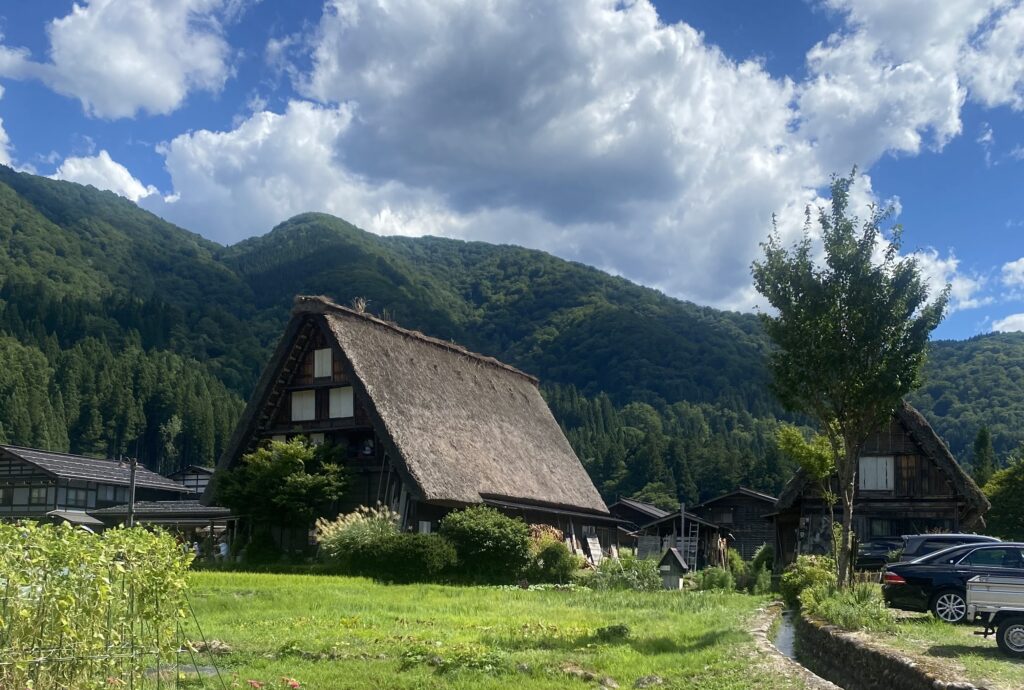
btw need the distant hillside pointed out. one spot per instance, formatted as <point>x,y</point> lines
<point>132,333</point>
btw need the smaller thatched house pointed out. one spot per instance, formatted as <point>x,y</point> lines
<point>908,483</point>
<point>427,426</point>
<point>743,516</point>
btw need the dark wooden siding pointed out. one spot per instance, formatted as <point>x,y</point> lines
<point>744,518</point>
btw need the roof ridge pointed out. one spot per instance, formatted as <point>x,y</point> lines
<point>11,446</point>
<point>319,304</point>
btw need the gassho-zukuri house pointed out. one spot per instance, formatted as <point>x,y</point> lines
<point>428,426</point>
<point>908,482</point>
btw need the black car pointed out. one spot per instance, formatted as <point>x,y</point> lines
<point>916,545</point>
<point>938,582</point>
<point>874,554</point>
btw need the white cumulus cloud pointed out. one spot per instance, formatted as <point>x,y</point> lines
<point>5,141</point>
<point>102,172</point>
<point>1012,323</point>
<point>1013,273</point>
<point>121,56</point>
<point>588,128</point>
<point>939,271</point>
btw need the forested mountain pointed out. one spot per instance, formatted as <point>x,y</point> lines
<point>121,333</point>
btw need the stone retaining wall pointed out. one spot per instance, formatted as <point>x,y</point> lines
<point>851,662</point>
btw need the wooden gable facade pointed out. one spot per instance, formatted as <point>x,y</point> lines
<point>908,483</point>
<point>742,515</point>
<point>425,426</point>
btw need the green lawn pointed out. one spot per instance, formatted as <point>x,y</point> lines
<point>956,651</point>
<point>335,632</point>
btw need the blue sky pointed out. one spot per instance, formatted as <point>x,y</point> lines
<point>651,140</point>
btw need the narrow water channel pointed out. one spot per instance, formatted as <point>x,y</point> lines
<point>785,638</point>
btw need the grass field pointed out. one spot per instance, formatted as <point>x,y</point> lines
<point>334,632</point>
<point>957,651</point>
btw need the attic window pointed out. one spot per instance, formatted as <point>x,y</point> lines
<point>722,516</point>
<point>322,363</point>
<point>341,403</point>
<point>876,473</point>
<point>303,406</point>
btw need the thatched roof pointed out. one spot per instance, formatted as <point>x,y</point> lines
<point>461,426</point>
<point>932,446</point>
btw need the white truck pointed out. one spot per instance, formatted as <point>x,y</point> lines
<point>997,602</point>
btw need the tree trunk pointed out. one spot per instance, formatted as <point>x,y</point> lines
<point>847,488</point>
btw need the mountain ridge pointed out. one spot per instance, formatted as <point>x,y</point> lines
<point>630,372</point>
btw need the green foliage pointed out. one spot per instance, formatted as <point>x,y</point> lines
<point>816,457</point>
<point>983,461</point>
<point>627,572</point>
<point>367,542</point>
<point>354,532</point>
<point>411,557</point>
<point>85,603</point>
<point>735,563</point>
<point>492,547</point>
<point>764,558</point>
<point>121,333</point>
<point>861,607</point>
<point>716,578</point>
<point>551,561</point>
<point>807,571</point>
<point>850,335</point>
<point>1006,492</point>
<point>286,483</point>
<point>762,583</point>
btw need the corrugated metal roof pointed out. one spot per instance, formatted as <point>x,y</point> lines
<point>160,508</point>
<point>66,466</point>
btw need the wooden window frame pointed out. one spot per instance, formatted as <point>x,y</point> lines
<point>32,495</point>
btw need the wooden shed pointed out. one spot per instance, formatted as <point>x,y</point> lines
<point>908,483</point>
<point>427,426</point>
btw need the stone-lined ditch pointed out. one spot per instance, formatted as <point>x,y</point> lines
<point>847,660</point>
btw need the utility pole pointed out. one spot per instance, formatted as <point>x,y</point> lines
<point>133,464</point>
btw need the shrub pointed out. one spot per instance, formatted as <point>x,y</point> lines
<point>715,578</point>
<point>806,572</point>
<point>87,603</point>
<point>762,582</point>
<point>354,536</point>
<point>491,546</point>
<point>413,558</point>
<point>627,572</point>
<point>764,558</point>
<point>552,562</point>
<point>861,607</point>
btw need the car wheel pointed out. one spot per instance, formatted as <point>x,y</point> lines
<point>949,606</point>
<point>1010,637</point>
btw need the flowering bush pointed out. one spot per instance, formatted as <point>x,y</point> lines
<point>367,542</point>
<point>356,532</point>
<point>79,608</point>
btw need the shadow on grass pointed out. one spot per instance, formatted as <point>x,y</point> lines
<point>957,650</point>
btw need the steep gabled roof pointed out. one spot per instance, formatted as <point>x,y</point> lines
<point>464,426</point>
<point>649,509</point>
<point>933,446</point>
<point>66,466</point>
<point>743,491</point>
